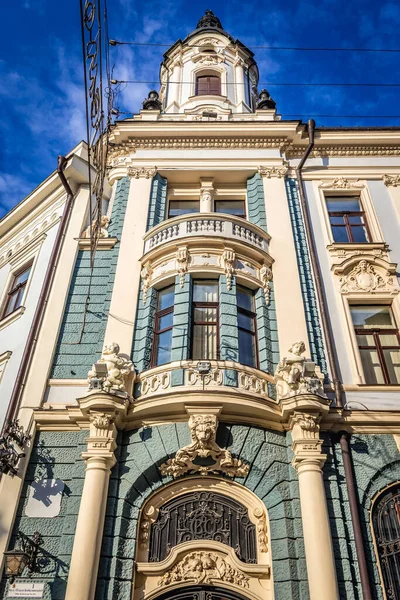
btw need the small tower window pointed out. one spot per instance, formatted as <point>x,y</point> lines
<point>208,85</point>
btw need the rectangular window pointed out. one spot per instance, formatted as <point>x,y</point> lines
<point>183,207</point>
<point>208,85</point>
<point>347,219</point>
<point>378,342</point>
<point>16,292</point>
<point>163,327</point>
<point>231,207</point>
<point>205,340</point>
<point>247,327</point>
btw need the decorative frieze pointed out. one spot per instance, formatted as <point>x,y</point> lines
<point>270,172</point>
<point>156,382</point>
<point>293,151</point>
<point>204,567</point>
<point>137,172</point>
<point>252,383</point>
<point>213,377</point>
<point>368,278</point>
<point>391,180</point>
<point>203,430</point>
<point>342,183</point>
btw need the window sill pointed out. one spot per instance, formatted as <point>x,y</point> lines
<point>16,314</point>
<point>102,243</point>
<point>367,387</point>
<point>339,248</point>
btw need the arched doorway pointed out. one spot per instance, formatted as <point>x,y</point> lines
<point>386,525</point>
<point>201,592</point>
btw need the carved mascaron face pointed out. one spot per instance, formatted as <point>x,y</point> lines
<point>203,428</point>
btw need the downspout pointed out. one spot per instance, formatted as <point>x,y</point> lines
<point>33,335</point>
<point>344,436</point>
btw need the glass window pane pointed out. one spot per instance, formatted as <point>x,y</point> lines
<point>165,298</point>
<point>205,315</point>
<point>356,220</point>
<point>247,348</point>
<point>372,316</point>
<point>343,203</point>
<point>21,278</point>
<point>183,207</point>
<point>372,369</point>
<point>230,207</point>
<point>205,291</point>
<point>11,304</point>
<point>359,234</point>
<point>392,360</point>
<point>164,347</point>
<point>389,339</point>
<point>340,234</point>
<point>337,220</point>
<point>165,321</point>
<point>245,322</point>
<point>204,342</point>
<point>245,299</point>
<point>365,340</point>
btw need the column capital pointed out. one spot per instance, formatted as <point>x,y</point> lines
<point>273,171</point>
<point>137,172</point>
<point>306,441</point>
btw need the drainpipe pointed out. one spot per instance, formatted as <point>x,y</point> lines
<point>33,335</point>
<point>344,437</point>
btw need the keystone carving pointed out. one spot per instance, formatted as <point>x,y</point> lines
<point>147,173</point>
<point>182,258</point>
<point>273,171</point>
<point>103,233</point>
<point>119,370</point>
<point>228,261</point>
<point>364,277</point>
<point>204,567</point>
<point>295,375</point>
<point>146,274</point>
<point>391,180</point>
<point>266,277</point>
<point>203,430</point>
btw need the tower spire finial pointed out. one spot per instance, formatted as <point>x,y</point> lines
<point>209,20</point>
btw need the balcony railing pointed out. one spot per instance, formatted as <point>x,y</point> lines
<point>206,224</point>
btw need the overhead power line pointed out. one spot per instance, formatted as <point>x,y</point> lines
<point>302,49</point>
<point>268,83</point>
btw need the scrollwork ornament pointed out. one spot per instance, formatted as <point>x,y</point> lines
<point>391,180</point>
<point>266,276</point>
<point>146,274</point>
<point>182,258</point>
<point>137,172</point>
<point>364,277</point>
<point>228,261</point>
<point>100,420</point>
<point>270,172</point>
<point>262,536</point>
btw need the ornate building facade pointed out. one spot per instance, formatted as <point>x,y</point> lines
<point>214,403</point>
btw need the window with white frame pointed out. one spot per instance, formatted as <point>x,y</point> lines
<point>16,291</point>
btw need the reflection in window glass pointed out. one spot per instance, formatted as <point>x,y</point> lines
<point>247,327</point>
<point>16,293</point>
<point>163,326</point>
<point>347,219</point>
<point>205,320</point>
<point>183,207</point>
<point>231,207</point>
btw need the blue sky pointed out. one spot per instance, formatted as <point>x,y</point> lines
<point>41,89</point>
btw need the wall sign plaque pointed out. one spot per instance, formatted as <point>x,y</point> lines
<point>26,589</point>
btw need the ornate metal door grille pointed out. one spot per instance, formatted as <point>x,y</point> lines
<point>203,516</point>
<point>386,522</point>
<point>201,592</point>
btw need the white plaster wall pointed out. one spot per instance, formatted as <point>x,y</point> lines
<point>13,337</point>
<point>387,217</point>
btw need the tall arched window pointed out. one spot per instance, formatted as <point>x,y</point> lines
<point>386,523</point>
<point>208,85</point>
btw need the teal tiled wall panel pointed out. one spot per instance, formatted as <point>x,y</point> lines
<point>314,329</point>
<point>228,324</point>
<point>256,202</point>
<point>158,201</point>
<point>80,341</point>
<point>137,475</point>
<point>181,334</point>
<point>143,334</point>
<point>56,455</point>
<point>267,334</point>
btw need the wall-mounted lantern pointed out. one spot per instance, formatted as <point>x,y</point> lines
<point>22,556</point>
<point>12,443</point>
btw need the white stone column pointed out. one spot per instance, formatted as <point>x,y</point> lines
<point>206,195</point>
<point>125,293</point>
<point>174,84</point>
<point>239,76</point>
<point>308,461</point>
<point>288,296</point>
<point>99,459</point>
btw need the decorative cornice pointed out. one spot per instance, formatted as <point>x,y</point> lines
<point>342,183</point>
<point>146,172</point>
<point>321,151</point>
<point>391,180</point>
<point>273,171</point>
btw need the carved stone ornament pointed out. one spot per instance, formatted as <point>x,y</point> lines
<point>146,172</point>
<point>100,420</point>
<point>391,180</point>
<point>119,371</point>
<point>206,198</point>
<point>273,171</point>
<point>266,277</point>
<point>295,375</point>
<point>262,536</point>
<point>365,277</point>
<point>306,441</point>
<point>103,233</point>
<point>182,258</point>
<point>203,429</point>
<point>228,261</point>
<point>342,183</point>
<point>202,568</point>
<point>146,274</point>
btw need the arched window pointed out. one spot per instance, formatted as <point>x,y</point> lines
<point>386,523</point>
<point>208,85</point>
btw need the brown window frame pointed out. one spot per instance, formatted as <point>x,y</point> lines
<point>18,289</point>
<point>252,315</point>
<point>208,91</point>
<point>346,223</point>
<point>379,348</point>
<point>205,323</point>
<point>157,332</point>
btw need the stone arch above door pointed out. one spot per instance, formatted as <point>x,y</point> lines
<point>201,592</point>
<point>203,531</point>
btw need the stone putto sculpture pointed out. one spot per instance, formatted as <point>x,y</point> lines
<point>203,430</point>
<point>104,222</point>
<point>296,375</point>
<point>119,370</point>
